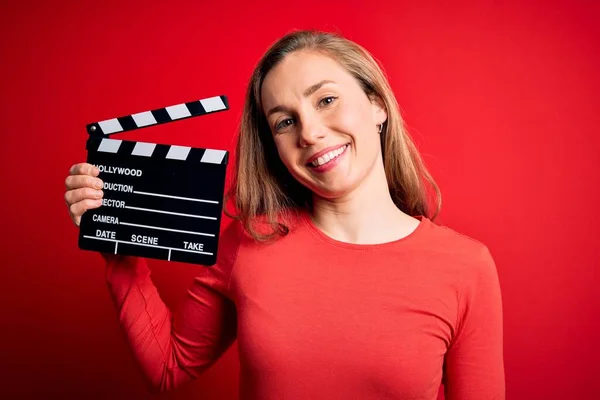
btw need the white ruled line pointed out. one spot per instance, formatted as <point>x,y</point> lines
<point>166,229</point>
<point>175,197</point>
<point>169,212</point>
<point>147,245</point>
<point>116,247</point>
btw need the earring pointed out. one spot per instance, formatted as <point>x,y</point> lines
<point>381,127</point>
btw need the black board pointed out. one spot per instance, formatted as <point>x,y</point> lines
<point>160,201</point>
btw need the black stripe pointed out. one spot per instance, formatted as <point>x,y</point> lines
<point>127,123</point>
<point>195,155</point>
<point>195,108</point>
<point>94,129</point>
<point>161,115</point>
<point>161,151</point>
<point>225,101</point>
<point>126,148</point>
<point>93,143</point>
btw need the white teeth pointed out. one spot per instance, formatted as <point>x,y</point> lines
<point>328,157</point>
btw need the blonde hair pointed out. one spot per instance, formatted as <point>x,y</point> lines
<point>263,187</point>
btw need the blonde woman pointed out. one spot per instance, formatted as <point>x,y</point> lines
<point>333,276</point>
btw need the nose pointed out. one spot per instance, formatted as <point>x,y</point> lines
<point>311,131</point>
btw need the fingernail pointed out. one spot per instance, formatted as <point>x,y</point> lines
<point>99,184</point>
<point>99,193</point>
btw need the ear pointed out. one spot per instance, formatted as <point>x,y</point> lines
<point>379,109</point>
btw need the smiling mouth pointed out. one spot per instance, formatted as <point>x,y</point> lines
<point>328,157</point>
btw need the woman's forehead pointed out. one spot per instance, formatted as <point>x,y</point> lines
<point>299,71</point>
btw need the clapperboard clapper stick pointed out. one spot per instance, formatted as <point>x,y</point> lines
<point>160,201</point>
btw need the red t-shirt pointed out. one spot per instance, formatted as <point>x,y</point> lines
<point>316,318</point>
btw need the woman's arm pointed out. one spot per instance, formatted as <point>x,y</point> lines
<point>474,364</point>
<point>173,348</point>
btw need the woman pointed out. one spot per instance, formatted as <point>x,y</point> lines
<point>333,278</point>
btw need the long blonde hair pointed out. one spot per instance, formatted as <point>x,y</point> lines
<point>263,187</point>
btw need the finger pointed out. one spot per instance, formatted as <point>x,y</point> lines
<point>79,208</point>
<point>77,195</point>
<point>84,169</point>
<point>80,181</point>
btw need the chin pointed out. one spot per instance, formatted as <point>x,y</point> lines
<point>330,189</point>
<point>330,193</point>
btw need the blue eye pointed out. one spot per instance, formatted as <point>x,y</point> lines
<point>283,124</point>
<point>327,100</point>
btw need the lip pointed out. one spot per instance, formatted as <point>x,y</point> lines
<point>324,151</point>
<point>330,164</point>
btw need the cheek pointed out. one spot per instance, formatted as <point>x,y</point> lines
<point>352,118</point>
<point>286,152</point>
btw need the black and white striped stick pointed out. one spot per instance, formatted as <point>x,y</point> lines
<point>154,151</point>
<point>158,116</point>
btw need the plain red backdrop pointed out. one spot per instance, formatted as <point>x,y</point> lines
<point>502,98</point>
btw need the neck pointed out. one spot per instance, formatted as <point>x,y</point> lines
<point>366,215</point>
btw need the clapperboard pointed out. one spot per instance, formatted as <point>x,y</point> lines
<point>160,201</point>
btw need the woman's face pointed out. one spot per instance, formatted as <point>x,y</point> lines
<point>324,125</point>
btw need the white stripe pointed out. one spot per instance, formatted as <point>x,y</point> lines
<point>109,145</point>
<point>143,149</point>
<point>116,247</point>
<point>178,152</point>
<point>144,119</point>
<point>169,212</point>
<point>169,255</point>
<point>213,156</point>
<point>178,111</point>
<point>147,245</point>
<point>212,104</point>
<point>175,197</point>
<point>110,126</point>
<point>166,229</point>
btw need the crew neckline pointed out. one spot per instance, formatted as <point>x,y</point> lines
<point>315,230</point>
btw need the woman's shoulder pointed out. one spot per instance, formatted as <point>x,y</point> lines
<point>463,248</point>
<point>454,236</point>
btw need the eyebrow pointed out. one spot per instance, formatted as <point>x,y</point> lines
<point>310,90</point>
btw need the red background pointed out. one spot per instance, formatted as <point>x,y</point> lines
<point>501,97</point>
